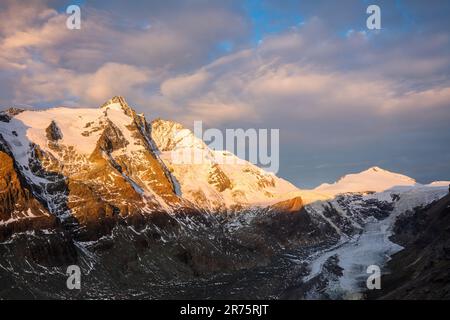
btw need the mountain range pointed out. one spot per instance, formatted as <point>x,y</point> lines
<point>99,188</point>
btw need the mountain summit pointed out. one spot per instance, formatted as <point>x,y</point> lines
<point>89,165</point>
<point>374,179</point>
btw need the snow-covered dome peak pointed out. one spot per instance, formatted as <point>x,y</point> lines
<point>373,179</point>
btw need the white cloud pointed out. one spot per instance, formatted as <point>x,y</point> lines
<point>111,79</point>
<point>90,88</point>
<point>184,85</point>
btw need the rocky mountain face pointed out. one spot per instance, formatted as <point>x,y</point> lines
<point>109,191</point>
<point>19,210</point>
<point>90,168</point>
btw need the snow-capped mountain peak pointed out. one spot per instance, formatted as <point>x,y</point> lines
<point>376,169</point>
<point>374,179</point>
<point>90,163</point>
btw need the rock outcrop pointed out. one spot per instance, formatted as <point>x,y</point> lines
<point>19,210</point>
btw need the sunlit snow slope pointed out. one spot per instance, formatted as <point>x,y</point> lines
<point>373,179</point>
<point>213,179</point>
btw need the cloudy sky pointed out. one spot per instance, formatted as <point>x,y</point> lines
<point>344,97</point>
